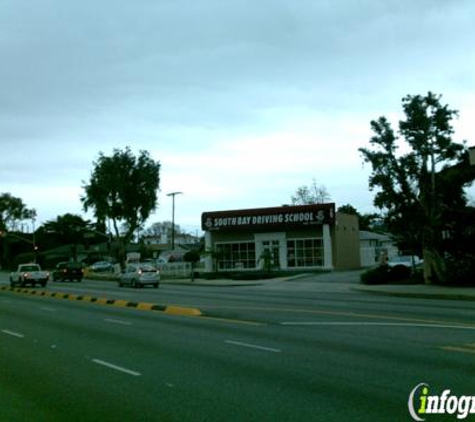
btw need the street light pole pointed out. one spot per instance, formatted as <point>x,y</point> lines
<point>173,194</point>
<point>35,248</point>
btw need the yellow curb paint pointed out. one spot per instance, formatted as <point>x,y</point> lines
<point>121,303</point>
<point>178,310</point>
<point>101,301</point>
<point>459,349</point>
<point>145,306</point>
<point>73,297</point>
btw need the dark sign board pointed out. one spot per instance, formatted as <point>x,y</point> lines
<point>269,218</point>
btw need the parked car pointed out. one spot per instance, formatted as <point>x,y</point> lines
<point>68,271</point>
<point>405,261</point>
<point>139,275</point>
<point>102,266</point>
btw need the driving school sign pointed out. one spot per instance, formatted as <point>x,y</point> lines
<point>269,218</point>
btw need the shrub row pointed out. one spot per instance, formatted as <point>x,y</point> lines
<point>384,274</point>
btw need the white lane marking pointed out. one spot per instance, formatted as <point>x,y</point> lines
<point>378,324</point>
<point>117,321</point>
<point>253,346</point>
<point>12,333</point>
<point>117,368</point>
<point>48,309</point>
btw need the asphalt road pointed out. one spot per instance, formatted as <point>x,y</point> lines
<point>308,349</point>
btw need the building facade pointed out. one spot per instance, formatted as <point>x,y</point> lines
<point>286,238</point>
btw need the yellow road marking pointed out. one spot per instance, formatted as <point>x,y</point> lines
<point>465,348</point>
<point>348,314</point>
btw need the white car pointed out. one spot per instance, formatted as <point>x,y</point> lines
<point>139,275</point>
<point>29,274</point>
<point>405,261</point>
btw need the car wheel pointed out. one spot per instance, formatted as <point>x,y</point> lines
<point>155,285</point>
<point>43,284</point>
<point>121,284</point>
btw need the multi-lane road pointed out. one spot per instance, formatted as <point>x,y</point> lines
<point>308,349</point>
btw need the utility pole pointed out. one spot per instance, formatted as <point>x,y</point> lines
<point>173,194</point>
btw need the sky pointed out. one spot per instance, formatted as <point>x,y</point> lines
<point>240,101</point>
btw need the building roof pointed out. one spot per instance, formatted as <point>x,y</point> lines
<point>366,235</point>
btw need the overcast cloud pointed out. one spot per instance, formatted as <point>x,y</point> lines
<point>240,101</point>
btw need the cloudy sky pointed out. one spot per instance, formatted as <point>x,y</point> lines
<point>241,101</point>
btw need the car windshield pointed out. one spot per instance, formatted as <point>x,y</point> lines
<point>402,258</point>
<point>147,268</point>
<point>29,268</point>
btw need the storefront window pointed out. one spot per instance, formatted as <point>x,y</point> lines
<point>236,256</point>
<point>304,253</point>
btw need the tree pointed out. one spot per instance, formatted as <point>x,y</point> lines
<point>408,183</point>
<point>313,194</point>
<point>348,209</point>
<point>123,188</point>
<point>66,229</point>
<point>12,212</point>
<point>368,221</point>
<point>163,231</point>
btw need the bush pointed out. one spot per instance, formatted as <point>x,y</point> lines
<point>378,275</point>
<point>399,273</point>
<point>460,271</point>
<point>385,274</point>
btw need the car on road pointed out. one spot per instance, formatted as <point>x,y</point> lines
<point>29,274</point>
<point>405,261</point>
<point>139,275</point>
<point>102,267</point>
<point>68,271</point>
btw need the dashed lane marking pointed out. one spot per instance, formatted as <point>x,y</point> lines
<point>253,346</point>
<point>117,321</point>
<point>13,334</point>
<point>116,367</point>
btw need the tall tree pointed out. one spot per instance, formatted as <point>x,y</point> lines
<point>368,221</point>
<point>67,229</point>
<point>407,183</point>
<point>313,194</point>
<point>12,212</point>
<point>123,188</point>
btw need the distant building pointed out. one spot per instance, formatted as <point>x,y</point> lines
<point>161,244</point>
<point>286,238</point>
<point>375,248</point>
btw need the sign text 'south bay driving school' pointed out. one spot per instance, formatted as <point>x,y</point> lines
<point>294,216</point>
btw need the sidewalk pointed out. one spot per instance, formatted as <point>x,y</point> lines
<point>421,291</point>
<point>348,281</point>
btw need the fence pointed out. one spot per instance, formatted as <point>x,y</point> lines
<point>175,270</point>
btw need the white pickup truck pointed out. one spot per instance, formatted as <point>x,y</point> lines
<point>29,274</point>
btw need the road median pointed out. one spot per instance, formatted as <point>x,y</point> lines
<point>142,306</point>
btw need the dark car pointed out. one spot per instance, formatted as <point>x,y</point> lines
<point>68,271</point>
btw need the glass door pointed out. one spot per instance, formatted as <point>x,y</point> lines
<point>271,254</point>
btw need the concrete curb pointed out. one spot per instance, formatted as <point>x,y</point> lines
<point>143,306</point>
<point>414,295</point>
